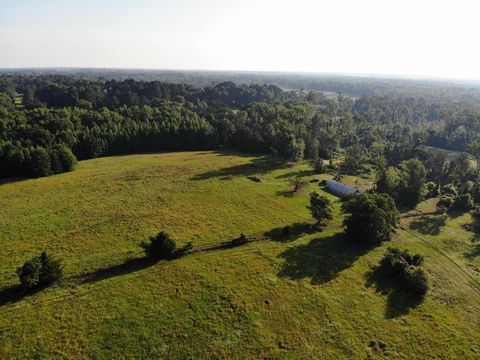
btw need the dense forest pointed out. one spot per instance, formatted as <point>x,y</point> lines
<point>47,122</point>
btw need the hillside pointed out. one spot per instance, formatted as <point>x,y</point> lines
<point>311,295</point>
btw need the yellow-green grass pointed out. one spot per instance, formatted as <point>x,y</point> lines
<point>309,296</point>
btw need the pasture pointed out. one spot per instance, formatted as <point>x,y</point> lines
<point>308,295</point>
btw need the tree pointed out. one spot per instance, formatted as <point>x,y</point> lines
<point>39,162</point>
<point>320,207</point>
<point>354,158</point>
<point>474,149</point>
<point>161,246</point>
<point>297,184</point>
<point>412,178</point>
<point>388,180</point>
<point>371,218</point>
<point>67,160</point>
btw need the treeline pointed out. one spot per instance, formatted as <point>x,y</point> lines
<point>59,119</point>
<point>61,91</point>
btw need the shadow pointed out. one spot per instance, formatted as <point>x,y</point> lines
<point>125,268</point>
<point>285,193</point>
<point>322,259</point>
<point>399,301</point>
<point>295,174</point>
<point>475,252</point>
<point>429,225</point>
<point>257,166</point>
<point>11,180</point>
<point>15,293</point>
<point>294,232</point>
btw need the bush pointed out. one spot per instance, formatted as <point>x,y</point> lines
<point>242,239</point>
<point>287,230</point>
<point>186,248</point>
<point>297,184</point>
<point>476,220</point>
<point>40,271</point>
<point>254,178</point>
<point>29,273</point>
<point>463,203</point>
<point>161,246</point>
<point>431,190</point>
<point>68,161</point>
<point>39,162</point>
<point>407,269</point>
<point>445,203</point>
<point>318,166</point>
<point>449,189</point>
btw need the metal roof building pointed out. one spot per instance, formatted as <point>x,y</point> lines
<point>339,189</point>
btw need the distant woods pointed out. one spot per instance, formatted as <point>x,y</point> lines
<point>48,122</point>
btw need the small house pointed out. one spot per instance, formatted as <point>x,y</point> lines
<point>339,189</point>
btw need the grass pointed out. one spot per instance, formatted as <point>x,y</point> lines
<point>311,295</point>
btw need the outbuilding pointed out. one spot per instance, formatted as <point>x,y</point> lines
<point>339,189</point>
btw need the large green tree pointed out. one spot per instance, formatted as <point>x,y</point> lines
<point>320,207</point>
<point>370,218</point>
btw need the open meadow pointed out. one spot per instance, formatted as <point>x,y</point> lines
<point>307,295</point>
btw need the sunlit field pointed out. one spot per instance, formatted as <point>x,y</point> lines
<point>308,295</point>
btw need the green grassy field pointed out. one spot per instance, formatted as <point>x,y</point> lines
<point>309,296</point>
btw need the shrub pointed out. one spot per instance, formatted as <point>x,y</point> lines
<point>476,220</point>
<point>463,203</point>
<point>318,166</point>
<point>431,190</point>
<point>445,203</point>
<point>186,248</point>
<point>449,189</point>
<point>416,280</point>
<point>68,161</point>
<point>39,162</point>
<point>407,269</point>
<point>286,230</point>
<point>242,239</point>
<point>297,184</point>
<point>161,246</point>
<point>254,178</point>
<point>29,273</point>
<point>40,271</point>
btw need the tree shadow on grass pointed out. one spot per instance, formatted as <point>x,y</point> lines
<point>296,230</point>
<point>295,174</point>
<point>322,259</point>
<point>257,166</point>
<point>125,268</point>
<point>429,225</point>
<point>15,293</point>
<point>11,180</point>
<point>475,252</point>
<point>399,301</point>
<point>286,193</point>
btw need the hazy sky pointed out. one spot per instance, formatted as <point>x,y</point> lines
<point>404,37</point>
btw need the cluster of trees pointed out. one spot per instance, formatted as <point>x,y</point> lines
<point>406,269</point>
<point>404,183</point>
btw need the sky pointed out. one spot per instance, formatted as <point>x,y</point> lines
<point>403,38</point>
